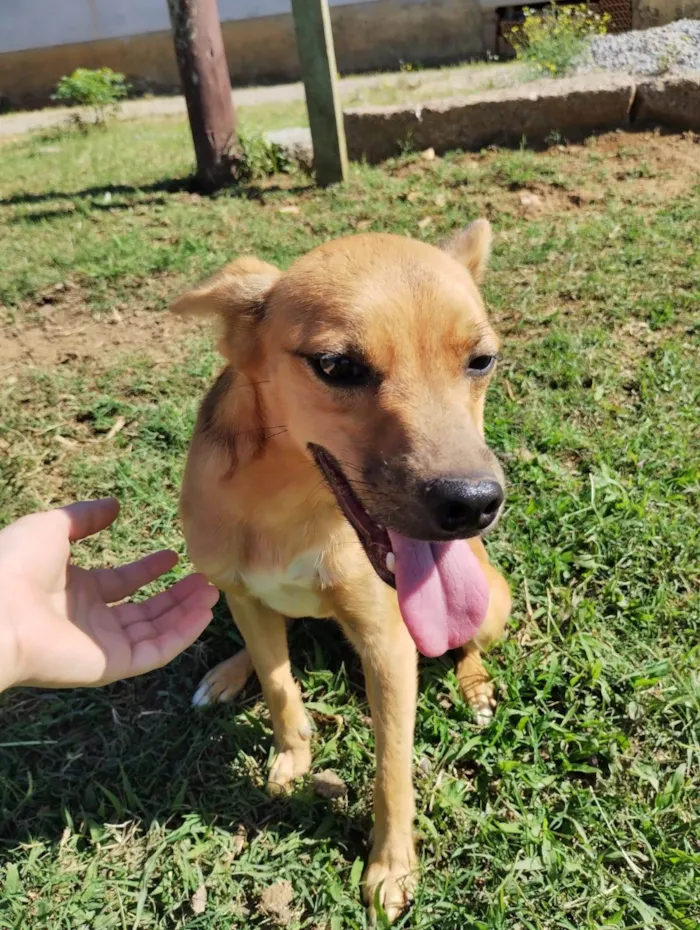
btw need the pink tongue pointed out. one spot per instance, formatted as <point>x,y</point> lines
<point>443,592</point>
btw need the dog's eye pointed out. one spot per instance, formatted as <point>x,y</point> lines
<point>481,364</point>
<point>340,370</point>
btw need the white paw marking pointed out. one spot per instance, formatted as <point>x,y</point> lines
<point>483,715</point>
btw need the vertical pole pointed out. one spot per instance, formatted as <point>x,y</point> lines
<point>201,60</point>
<point>317,56</point>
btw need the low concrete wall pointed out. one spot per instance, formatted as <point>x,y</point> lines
<point>574,107</point>
<point>368,36</point>
<point>671,101</point>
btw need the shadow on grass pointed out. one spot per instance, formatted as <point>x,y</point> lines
<point>138,751</point>
<point>136,192</point>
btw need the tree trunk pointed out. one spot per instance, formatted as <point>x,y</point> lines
<point>201,60</point>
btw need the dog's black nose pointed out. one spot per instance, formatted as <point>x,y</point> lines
<point>462,508</point>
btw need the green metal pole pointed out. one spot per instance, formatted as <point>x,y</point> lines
<point>317,56</point>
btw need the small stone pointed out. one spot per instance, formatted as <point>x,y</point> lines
<point>328,785</point>
<point>428,154</point>
<point>530,201</point>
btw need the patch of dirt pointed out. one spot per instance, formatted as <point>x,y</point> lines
<point>659,165</point>
<point>276,902</point>
<point>646,165</point>
<point>649,165</point>
<point>66,332</point>
<point>641,167</point>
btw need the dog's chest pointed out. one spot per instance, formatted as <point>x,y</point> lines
<point>294,590</point>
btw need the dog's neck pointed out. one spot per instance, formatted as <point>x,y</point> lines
<point>238,418</point>
<point>234,418</point>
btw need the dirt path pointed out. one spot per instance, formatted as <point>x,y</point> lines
<point>414,85</point>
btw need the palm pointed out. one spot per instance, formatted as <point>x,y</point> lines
<point>68,626</point>
<point>133,635</point>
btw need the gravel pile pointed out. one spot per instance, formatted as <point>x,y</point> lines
<point>668,49</point>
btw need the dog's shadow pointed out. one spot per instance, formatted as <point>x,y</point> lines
<point>137,751</point>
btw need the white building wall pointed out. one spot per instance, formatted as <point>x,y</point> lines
<point>29,24</point>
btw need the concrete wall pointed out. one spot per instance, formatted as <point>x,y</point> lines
<point>38,44</point>
<point>43,23</point>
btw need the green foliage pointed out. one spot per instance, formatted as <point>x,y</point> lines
<point>551,40</point>
<point>101,90</point>
<point>258,158</point>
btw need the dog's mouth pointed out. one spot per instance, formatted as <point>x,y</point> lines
<point>441,588</point>
<point>372,535</point>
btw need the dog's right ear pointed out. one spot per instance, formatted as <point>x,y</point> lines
<point>237,295</point>
<point>471,247</point>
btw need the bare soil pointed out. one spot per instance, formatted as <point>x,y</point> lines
<point>60,328</point>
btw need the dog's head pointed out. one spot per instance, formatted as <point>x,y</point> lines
<point>376,351</point>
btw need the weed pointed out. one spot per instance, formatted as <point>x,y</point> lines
<point>100,90</point>
<point>550,41</point>
<point>258,158</point>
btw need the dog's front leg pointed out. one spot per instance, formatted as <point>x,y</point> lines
<point>265,634</point>
<point>390,665</point>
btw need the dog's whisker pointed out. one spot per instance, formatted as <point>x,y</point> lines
<point>259,429</point>
<point>250,384</point>
<point>352,465</point>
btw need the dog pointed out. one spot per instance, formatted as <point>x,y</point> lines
<point>338,469</point>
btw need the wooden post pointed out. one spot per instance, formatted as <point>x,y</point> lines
<point>201,60</point>
<point>317,56</point>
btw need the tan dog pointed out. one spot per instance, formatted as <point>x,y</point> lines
<point>337,469</point>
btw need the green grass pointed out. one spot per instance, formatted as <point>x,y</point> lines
<point>578,807</point>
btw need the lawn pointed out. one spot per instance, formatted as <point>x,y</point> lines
<point>578,807</point>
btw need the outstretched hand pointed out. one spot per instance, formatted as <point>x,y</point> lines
<point>57,628</point>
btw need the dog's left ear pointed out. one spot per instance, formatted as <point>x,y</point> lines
<point>237,295</point>
<point>237,289</point>
<point>472,247</point>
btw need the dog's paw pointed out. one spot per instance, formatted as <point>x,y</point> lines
<point>390,879</point>
<point>223,682</point>
<point>287,766</point>
<point>483,703</point>
<point>479,694</point>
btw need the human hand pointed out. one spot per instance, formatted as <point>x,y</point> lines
<point>56,626</point>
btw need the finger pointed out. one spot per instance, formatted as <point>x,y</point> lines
<point>88,517</point>
<point>158,605</point>
<point>156,642</point>
<point>114,584</point>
